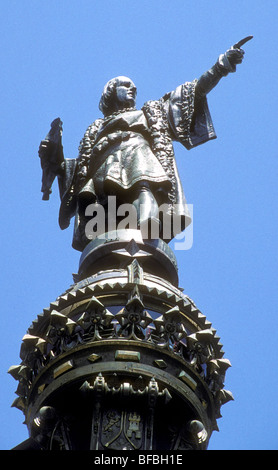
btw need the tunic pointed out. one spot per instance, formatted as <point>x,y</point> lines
<point>122,156</point>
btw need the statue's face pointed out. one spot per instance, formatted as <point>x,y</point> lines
<point>125,92</point>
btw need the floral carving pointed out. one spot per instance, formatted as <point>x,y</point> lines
<point>133,318</point>
<point>169,329</point>
<point>96,321</point>
<point>62,333</point>
<point>200,349</point>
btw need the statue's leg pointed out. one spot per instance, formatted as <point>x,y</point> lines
<point>147,210</point>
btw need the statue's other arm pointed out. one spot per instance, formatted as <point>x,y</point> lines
<point>52,157</point>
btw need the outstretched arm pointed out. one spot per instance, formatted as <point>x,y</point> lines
<point>225,64</point>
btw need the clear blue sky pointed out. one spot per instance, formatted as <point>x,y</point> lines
<point>56,57</point>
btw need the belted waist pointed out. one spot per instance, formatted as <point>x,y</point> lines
<point>116,138</point>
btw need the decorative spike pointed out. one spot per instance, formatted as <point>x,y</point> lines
<point>70,325</point>
<point>80,292</point>
<point>30,339</point>
<point>21,390</point>
<point>174,310</point>
<point>187,307</point>
<point>205,335</point>
<point>24,372</point>
<point>58,318</point>
<point>224,364</point>
<point>72,295</point>
<point>191,340</point>
<point>46,311</point>
<point>41,345</point>
<point>14,371</point>
<point>19,403</point>
<point>159,321</point>
<point>225,396</point>
<point>94,303</point>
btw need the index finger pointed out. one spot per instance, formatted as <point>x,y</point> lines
<point>243,41</point>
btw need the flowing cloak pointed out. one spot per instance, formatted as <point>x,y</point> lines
<point>135,145</point>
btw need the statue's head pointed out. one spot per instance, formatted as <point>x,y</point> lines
<point>118,93</point>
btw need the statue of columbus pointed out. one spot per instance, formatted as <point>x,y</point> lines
<point>129,152</point>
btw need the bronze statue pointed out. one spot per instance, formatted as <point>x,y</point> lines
<point>129,153</point>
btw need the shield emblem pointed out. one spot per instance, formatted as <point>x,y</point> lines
<point>121,430</point>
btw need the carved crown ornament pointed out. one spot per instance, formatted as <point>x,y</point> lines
<point>86,320</point>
